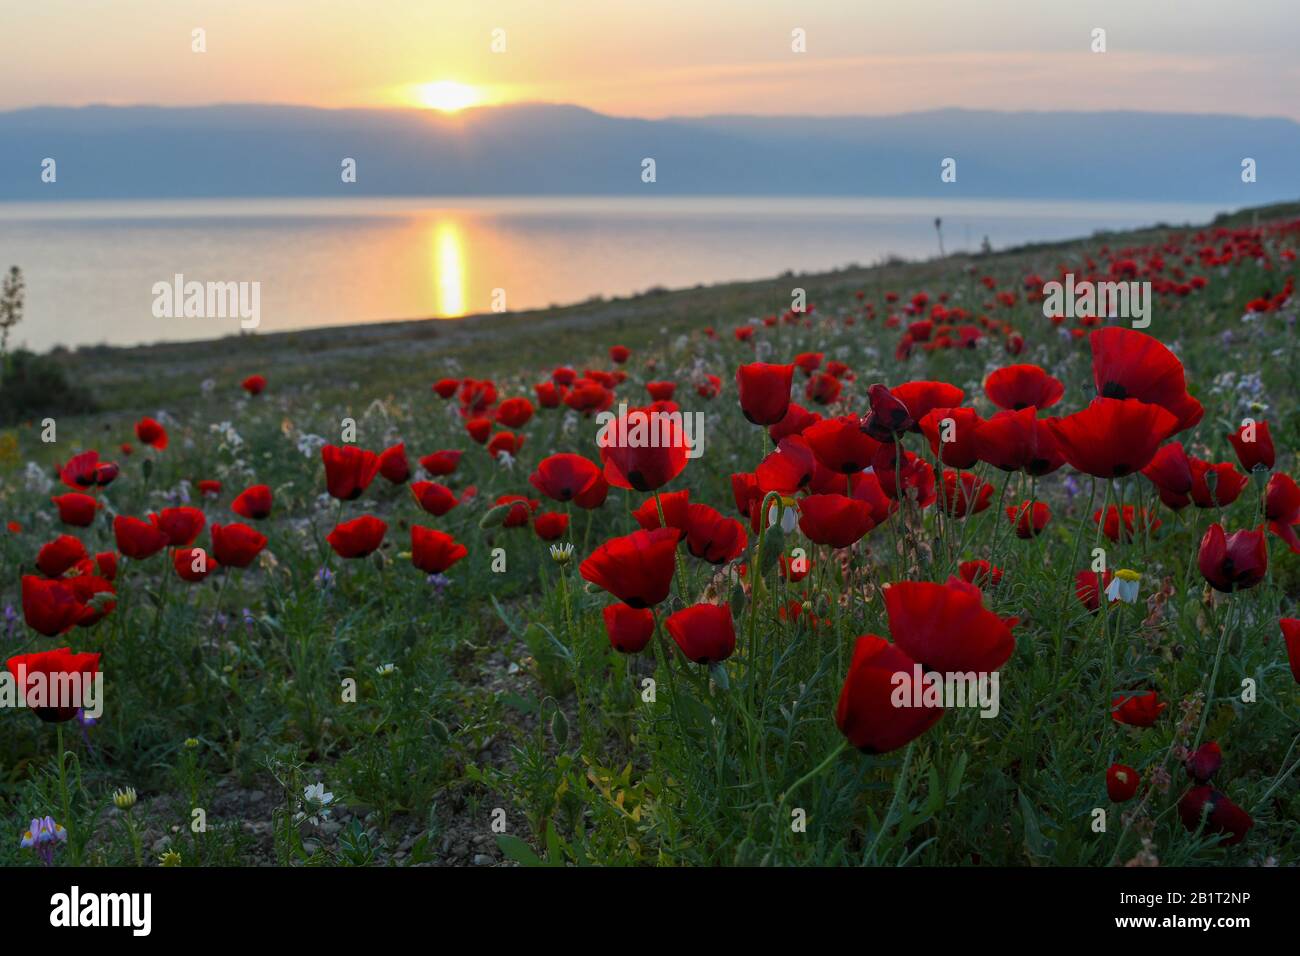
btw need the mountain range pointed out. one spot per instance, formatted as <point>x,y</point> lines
<point>242,150</point>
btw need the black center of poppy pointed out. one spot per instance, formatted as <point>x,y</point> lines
<point>1114,390</point>
<point>1121,470</point>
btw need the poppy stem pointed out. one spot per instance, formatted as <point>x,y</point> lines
<point>1214,673</point>
<point>817,770</point>
<point>893,803</point>
<point>1281,776</point>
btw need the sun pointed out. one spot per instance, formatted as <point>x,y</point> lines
<point>447,96</point>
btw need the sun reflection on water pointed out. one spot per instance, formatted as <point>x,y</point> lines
<point>449,268</point>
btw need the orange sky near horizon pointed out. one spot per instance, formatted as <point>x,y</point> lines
<point>670,57</point>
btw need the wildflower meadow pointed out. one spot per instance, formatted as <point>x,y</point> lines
<point>917,565</point>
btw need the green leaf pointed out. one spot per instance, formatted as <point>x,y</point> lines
<point>517,850</point>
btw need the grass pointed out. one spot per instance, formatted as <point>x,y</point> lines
<point>507,729</point>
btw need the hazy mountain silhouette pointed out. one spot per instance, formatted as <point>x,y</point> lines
<point>254,150</point>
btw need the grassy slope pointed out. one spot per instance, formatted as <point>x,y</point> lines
<point>426,755</point>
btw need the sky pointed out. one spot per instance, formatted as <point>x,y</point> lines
<point>660,58</point>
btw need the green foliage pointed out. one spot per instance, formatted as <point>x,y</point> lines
<point>37,386</point>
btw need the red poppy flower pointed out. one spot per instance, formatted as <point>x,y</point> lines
<point>636,568</point>
<point>433,552</point>
<point>619,353</point>
<point>1254,446</point>
<point>661,391</point>
<point>643,450</point>
<point>1113,437</point>
<point>889,416</point>
<point>1128,364</point>
<point>76,509</point>
<point>441,462</point>
<point>393,464</point>
<point>1208,811</point>
<point>788,468</point>
<point>1121,783</point>
<point>921,398</point>
<point>521,510</point>
<point>1170,470</point>
<point>946,626</point>
<point>50,607</point>
<point>548,394</point>
<point>254,384</point>
<point>764,391</point>
<point>180,525</point>
<point>712,537</point>
<point>193,564</point>
<point>550,525</point>
<point>1215,486</point>
<point>210,488</point>
<point>508,442</point>
<point>1016,441</point>
<point>564,477</point>
<point>796,421</point>
<point>808,362</point>
<point>1023,386</point>
<point>1087,589</point>
<point>137,539</point>
<point>869,713</point>
<point>1137,521</point>
<point>446,387</point>
<point>629,628</point>
<point>953,434</point>
<point>834,520</point>
<point>349,470</point>
<point>745,492</point>
<point>357,538</point>
<point>236,545</point>
<point>794,569</point>
<point>980,573</point>
<point>479,429</point>
<point>840,444</point>
<point>1204,763</point>
<point>80,471</point>
<point>151,433</point>
<point>705,633</point>
<point>594,496</point>
<point>253,503</point>
<point>914,480</point>
<point>709,388</point>
<point>514,412</point>
<point>477,396</point>
<point>1233,562</point>
<point>564,376</point>
<point>432,497</point>
<point>1029,519</point>
<point>1291,635</point>
<point>1137,710</point>
<point>60,554</point>
<point>588,396</point>
<point>823,388</point>
<point>42,675</point>
<point>1282,508</point>
<point>965,494</point>
<point>106,563</point>
<point>866,487</point>
<point>96,596</point>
